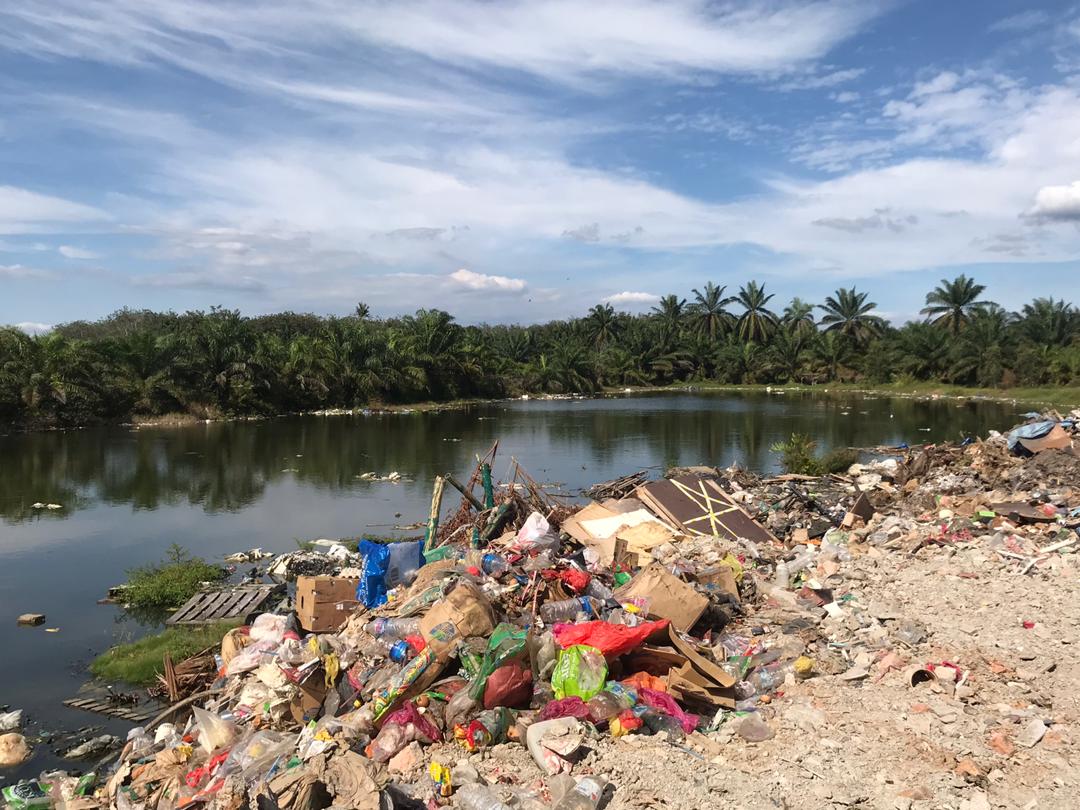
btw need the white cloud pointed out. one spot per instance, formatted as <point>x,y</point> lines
<point>845,97</point>
<point>629,297</point>
<point>1057,203</point>
<point>485,283</point>
<point>18,271</point>
<point>201,281</point>
<point>24,211</point>
<point>71,252</point>
<point>822,80</point>
<point>33,328</point>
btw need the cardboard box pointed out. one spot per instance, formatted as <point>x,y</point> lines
<point>324,603</point>
<point>669,597</point>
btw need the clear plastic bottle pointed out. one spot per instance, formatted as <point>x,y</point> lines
<point>491,564</point>
<point>478,797</point>
<point>598,590</point>
<point>567,610</point>
<point>605,705</point>
<point>390,629</point>
<point>585,795</point>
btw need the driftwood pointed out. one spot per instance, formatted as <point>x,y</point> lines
<point>618,487</point>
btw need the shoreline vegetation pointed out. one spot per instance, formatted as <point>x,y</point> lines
<point>142,367</point>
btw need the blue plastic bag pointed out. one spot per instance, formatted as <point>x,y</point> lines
<point>372,588</point>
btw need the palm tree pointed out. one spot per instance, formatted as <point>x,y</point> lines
<point>670,313</point>
<point>603,325</point>
<point>1047,322</point>
<point>849,312</point>
<point>923,354</point>
<point>799,317</point>
<point>832,351</point>
<point>787,353</point>
<point>709,307</point>
<point>757,322</point>
<point>979,354</point>
<point>952,303</point>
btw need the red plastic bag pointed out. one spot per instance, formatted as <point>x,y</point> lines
<point>665,703</point>
<point>612,640</point>
<point>567,707</point>
<point>509,685</point>
<point>408,714</point>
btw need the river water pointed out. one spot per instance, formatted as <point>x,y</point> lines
<point>217,488</point>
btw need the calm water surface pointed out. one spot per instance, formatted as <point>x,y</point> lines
<point>214,489</point>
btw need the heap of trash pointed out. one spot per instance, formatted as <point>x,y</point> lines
<point>507,658</point>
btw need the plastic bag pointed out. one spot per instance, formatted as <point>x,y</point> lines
<point>214,732</point>
<point>403,561</point>
<point>401,728</point>
<point>580,671</point>
<point>551,742</point>
<point>255,755</point>
<point>268,627</point>
<point>509,685</point>
<point>506,642</point>
<point>612,640</point>
<point>666,704</point>
<point>567,707</point>
<point>643,680</point>
<point>372,588</point>
<point>535,534</point>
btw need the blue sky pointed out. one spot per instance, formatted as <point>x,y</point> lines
<point>519,161</point>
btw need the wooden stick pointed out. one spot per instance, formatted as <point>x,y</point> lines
<point>472,499</point>
<point>433,518</point>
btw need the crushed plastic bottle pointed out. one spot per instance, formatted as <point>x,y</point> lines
<point>478,797</point>
<point>388,629</point>
<point>566,610</point>
<point>585,795</point>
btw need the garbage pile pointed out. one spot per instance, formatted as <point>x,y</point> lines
<point>513,657</point>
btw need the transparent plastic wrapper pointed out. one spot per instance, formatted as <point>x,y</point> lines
<point>268,627</point>
<point>479,797</point>
<point>255,755</point>
<point>11,721</point>
<point>536,535</point>
<point>460,707</point>
<point>545,655</point>
<point>580,671</point>
<point>215,732</point>
<point>605,705</point>
<point>251,658</point>
<point>665,703</point>
<point>400,729</point>
<point>141,743</point>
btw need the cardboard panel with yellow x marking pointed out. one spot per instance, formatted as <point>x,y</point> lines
<point>699,506</point>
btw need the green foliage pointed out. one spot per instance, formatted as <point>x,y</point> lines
<point>798,455</point>
<point>140,662</point>
<point>171,583</point>
<point>137,364</point>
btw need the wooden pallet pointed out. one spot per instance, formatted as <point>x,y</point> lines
<point>99,703</point>
<point>220,604</point>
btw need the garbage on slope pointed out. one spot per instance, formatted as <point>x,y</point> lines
<point>687,612</point>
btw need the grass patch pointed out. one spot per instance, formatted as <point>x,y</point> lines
<point>171,583</point>
<point>140,662</point>
<point>797,455</point>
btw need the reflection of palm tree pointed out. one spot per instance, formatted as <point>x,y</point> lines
<point>952,303</point>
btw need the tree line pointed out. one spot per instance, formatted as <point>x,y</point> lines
<point>209,364</point>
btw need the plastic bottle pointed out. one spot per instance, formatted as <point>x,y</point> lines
<point>785,570</point>
<point>771,677</point>
<point>401,652</point>
<point>393,629</point>
<point>585,795</point>
<point>566,610</point>
<point>605,705</point>
<point>491,564</point>
<point>478,797</point>
<point>598,590</point>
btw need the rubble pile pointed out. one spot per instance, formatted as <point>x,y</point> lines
<point>902,635</point>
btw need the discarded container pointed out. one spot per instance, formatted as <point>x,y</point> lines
<point>585,795</point>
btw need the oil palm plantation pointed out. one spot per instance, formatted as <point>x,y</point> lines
<point>602,324</point>
<point>798,316</point>
<point>952,303</point>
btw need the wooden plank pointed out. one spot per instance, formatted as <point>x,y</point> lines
<point>223,603</point>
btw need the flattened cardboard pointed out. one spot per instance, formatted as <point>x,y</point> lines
<point>706,667</point>
<point>862,508</point>
<point>669,597</point>
<point>572,525</point>
<point>692,687</point>
<point>699,506</point>
<point>722,579</point>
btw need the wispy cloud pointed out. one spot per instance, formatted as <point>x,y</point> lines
<point>1022,21</point>
<point>201,281</point>
<point>18,271</point>
<point>71,252</point>
<point>25,211</point>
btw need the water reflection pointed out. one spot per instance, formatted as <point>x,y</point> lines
<point>228,467</point>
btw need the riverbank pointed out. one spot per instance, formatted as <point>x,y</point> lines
<point>1055,396</point>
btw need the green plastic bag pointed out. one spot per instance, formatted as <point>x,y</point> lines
<point>581,670</point>
<point>506,642</point>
